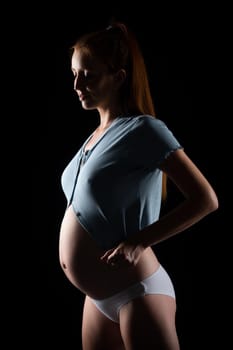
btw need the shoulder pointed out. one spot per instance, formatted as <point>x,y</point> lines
<point>154,131</point>
<point>146,126</point>
<point>150,123</point>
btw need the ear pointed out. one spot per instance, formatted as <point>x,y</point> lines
<point>120,77</point>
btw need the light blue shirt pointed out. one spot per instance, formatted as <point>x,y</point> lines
<point>117,190</point>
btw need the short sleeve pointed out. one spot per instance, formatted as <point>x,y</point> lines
<point>156,140</point>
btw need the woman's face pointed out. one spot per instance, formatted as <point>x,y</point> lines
<point>95,86</point>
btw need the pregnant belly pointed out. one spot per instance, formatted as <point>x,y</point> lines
<point>80,260</point>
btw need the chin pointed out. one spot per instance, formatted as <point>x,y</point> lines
<point>88,106</point>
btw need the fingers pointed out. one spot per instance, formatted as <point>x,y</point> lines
<point>112,257</point>
<point>122,256</point>
<point>117,260</point>
<point>106,255</point>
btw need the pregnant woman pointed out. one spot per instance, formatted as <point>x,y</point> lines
<point>114,186</point>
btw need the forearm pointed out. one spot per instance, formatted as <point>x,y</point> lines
<point>179,219</point>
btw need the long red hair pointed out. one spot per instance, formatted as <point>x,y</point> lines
<point>118,48</point>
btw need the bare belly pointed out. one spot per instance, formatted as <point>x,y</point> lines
<point>80,260</point>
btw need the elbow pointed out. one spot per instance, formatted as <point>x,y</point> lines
<point>205,202</point>
<point>211,202</point>
<point>214,204</point>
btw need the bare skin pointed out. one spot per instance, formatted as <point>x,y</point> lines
<point>81,261</point>
<point>147,322</point>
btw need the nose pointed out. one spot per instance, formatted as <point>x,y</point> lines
<point>78,82</point>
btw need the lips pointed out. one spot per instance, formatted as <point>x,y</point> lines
<point>83,97</point>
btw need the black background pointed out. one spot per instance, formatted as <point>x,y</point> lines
<point>184,51</point>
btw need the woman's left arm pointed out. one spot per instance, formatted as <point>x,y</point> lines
<point>200,199</point>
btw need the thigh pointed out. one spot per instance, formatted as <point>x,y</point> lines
<point>99,332</point>
<point>148,322</point>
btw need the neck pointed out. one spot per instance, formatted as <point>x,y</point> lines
<point>107,118</point>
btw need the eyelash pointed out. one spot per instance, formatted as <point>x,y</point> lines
<point>85,74</point>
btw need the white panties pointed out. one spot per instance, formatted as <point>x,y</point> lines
<point>158,283</point>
